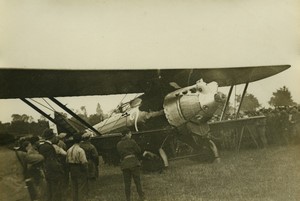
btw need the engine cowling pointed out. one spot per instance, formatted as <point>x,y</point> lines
<point>198,101</point>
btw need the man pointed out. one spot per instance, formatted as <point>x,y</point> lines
<point>91,156</point>
<point>58,149</point>
<point>130,165</point>
<point>53,169</point>
<point>77,162</point>
<point>283,125</point>
<point>295,125</point>
<point>61,158</point>
<point>12,182</point>
<point>61,143</point>
<point>32,163</point>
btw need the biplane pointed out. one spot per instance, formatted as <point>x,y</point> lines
<point>172,111</point>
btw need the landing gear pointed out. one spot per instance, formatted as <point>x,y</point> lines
<point>151,162</point>
<point>207,148</point>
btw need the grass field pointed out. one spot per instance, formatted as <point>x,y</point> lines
<point>268,174</point>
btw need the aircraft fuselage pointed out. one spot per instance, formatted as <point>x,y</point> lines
<point>197,102</point>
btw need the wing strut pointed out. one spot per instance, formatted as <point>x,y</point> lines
<point>46,115</point>
<point>74,115</point>
<point>243,95</point>
<point>226,103</point>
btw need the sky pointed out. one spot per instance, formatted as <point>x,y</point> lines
<point>150,34</point>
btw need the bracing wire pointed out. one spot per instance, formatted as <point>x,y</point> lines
<point>43,105</point>
<point>48,104</point>
<point>78,124</point>
<point>53,110</point>
<point>112,114</point>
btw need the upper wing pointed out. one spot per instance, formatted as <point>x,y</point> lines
<point>228,76</point>
<point>29,83</point>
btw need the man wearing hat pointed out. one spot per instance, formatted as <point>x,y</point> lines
<point>91,156</point>
<point>130,164</point>
<point>53,169</point>
<point>77,162</point>
<point>61,142</point>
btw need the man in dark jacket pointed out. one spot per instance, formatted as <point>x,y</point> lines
<point>53,169</point>
<point>91,156</point>
<point>130,164</point>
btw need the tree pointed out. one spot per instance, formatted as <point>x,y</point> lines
<point>95,118</point>
<point>98,117</point>
<point>30,119</point>
<point>99,110</point>
<point>16,117</point>
<point>42,118</point>
<point>4,127</point>
<point>282,97</point>
<point>83,109</point>
<point>23,118</point>
<point>24,124</point>
<point>250,102</point>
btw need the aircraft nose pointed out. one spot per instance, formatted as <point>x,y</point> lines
<point>220,97</point>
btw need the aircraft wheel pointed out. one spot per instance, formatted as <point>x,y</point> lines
<point>152,164</point>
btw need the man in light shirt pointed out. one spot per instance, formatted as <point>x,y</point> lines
<point>77,162</point>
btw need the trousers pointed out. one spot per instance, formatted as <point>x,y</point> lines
<point>54,192</point>
<point>134,173</point>
<point>79,182</point>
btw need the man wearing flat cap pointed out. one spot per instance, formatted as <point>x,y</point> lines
<point>53,169</point>
<point>130,164</point>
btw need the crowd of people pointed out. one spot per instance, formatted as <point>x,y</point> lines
<point>282,125</point>
<point>46,169</point>
<point>272,126</point>
<point>47,166</point>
